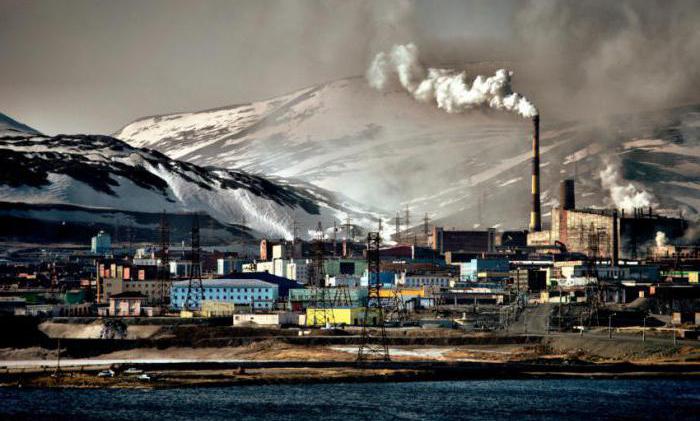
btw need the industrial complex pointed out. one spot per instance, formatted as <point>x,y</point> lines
<point>587,271</point>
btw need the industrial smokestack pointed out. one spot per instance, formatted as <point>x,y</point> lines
<point>535,213</point>
<point>567,195</point>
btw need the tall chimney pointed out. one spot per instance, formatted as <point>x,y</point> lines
<point>567,195</point>
<point>535,213</point>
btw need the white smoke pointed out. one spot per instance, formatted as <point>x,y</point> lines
<point>401,68</point>
<point>661,239</point>
<point>624,196</point>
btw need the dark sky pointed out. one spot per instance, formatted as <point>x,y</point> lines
<point>92,66</point>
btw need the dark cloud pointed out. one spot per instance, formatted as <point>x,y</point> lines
<point>92,66</point>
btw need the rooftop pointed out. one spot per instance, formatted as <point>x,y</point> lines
<point>128,294</point>
<point>229,282</point>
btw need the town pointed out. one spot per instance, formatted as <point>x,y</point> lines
<point>596,275</point>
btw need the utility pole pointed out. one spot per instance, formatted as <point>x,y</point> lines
<point>348,227</point>
<point>644,329</point>
<point>673,332</point>
<point>164,267</point>
<point>560,298</point>
<point>58,373</point>
<point>610,325</point>
<point>335,239</point>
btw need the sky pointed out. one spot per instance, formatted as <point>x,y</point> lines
<point>94,66</point>
<point>79,66</point>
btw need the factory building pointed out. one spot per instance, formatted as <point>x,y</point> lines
<point>355,267</point>
<point>418,280</point>
<point>226,265</point>
<point>249,292</point>
<point>279,319</point>
<point>479,269</point>
<point>182,268</point>
<point>126,304</point>
<point>340,316</point>
<point>301,298</point>
<point>463,241</point>
<point>113,278</point>
<point>101,243</point>
<point>604,233</point>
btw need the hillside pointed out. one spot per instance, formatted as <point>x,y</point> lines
<point>98,180</point>
<point>388,151</point>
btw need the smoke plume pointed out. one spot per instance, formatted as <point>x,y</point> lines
<point>624,196</point>
<point>401,68</point>
<point>661,239</point>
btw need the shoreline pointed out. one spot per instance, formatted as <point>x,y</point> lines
<point>220,374</point>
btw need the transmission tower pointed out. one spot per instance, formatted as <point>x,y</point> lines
<point>321,301</point>
<point>397,227</point>
<point>164,267</point>
<point>372,347</point>
<point>195,290</point>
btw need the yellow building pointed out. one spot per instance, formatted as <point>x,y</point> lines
<point>339,316</point>
<point>405,292</point>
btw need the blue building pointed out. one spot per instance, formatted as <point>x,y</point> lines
<point>283,284</point>
<point>259,294</point>
<point>387,279</point>
<point>469,271</point>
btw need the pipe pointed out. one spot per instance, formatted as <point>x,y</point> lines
<point>535,212</point>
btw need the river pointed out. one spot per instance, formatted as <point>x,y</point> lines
<point>483,399</point>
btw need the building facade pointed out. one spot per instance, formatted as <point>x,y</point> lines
<point>101,243</point>
<point>251,292</point>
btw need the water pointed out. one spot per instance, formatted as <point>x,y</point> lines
<point>492,399</point>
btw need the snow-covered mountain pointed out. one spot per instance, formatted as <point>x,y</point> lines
<point>10,126</point>
<point>387,151</point>
<point>84,178</point>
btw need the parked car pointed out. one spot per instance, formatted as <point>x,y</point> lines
<point>145,377</point>
<point>133,370</point>
<point>105,373</point>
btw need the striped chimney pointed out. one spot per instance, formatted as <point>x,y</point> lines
<point>535,212</point>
